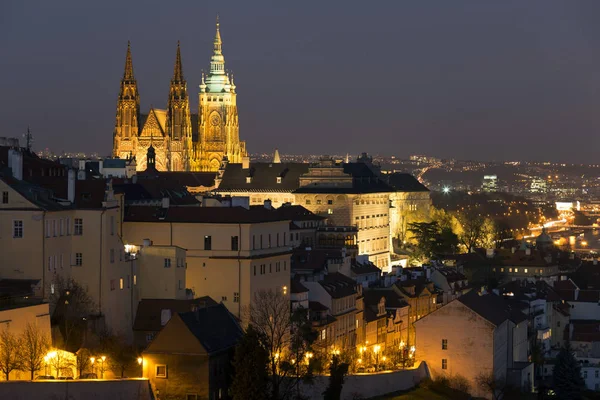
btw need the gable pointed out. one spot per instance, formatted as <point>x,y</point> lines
<point>15,199</point>
<point>175,337</point>
<point>458,312</point>
<point>154,126</point>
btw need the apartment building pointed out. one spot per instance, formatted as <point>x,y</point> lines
<point>232,251</point>
<point>475,335</point>
<point>54,228</point>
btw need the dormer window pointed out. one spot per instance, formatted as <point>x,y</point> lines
<point>248,179</point>
<point>278,179</point>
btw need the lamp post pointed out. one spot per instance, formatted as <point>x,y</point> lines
<point>140,361</point>
<point>46,365</point>
<point>376,349</point>
<point>92,360</point>
<point>103,358</point>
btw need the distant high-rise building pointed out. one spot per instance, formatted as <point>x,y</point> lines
<point>490,183</point>
<point>182,141</point>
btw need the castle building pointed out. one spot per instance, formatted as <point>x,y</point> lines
<point>182,141</point>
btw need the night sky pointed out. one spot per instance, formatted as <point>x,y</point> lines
<point>487,80</point>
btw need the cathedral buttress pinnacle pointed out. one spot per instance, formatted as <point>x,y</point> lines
<point>128,112</point>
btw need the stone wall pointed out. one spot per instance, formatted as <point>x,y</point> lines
<point>130,389</point>
<point>364,386</point>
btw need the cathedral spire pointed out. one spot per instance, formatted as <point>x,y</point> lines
<point>217,61</point>
<point>276,158</point>
<point>128,75</point>
<point>178,70</point>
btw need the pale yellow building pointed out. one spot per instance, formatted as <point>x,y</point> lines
<point>348,194</point>
<point>182,141</point>
<point>67,229</point>
<point>232,252</point>
<point>161,271</point>
<point>475,335</point>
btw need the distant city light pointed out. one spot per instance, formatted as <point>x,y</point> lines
<point>446,190</point>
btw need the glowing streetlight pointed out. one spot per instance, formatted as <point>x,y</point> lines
<point>446,190</point>
<point>103,359</point>
<point>139,360</point>
<point>376,349</point>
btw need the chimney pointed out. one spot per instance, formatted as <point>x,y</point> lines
<point>15,162</point>
<point>572,256</point>
<point>134,179</point>
<point>513,249</point>
<point>489,253</point>
<point>528,251</point>
<point>71,186</point>
<point>595,262</point>
<point>268,205</point>
<point>165,202</point>
<point>246,162</point>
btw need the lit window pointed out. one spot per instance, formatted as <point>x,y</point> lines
<point>329,211</point>
<point>525,270</point>
<point>17,229</point>
<point>319,201</point>
<point>278,179</point>
<point>121,285</point>
<point>285,289</point>
<point>516,270</point>
<point>134,280</point>
<point>161,371</point>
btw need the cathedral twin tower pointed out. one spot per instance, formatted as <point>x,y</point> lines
<point>180,140</point>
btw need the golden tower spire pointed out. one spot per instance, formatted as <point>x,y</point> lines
<point>128,74</point>
<point>178,70</point>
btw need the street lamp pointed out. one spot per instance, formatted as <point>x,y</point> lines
<point>103,358</point>
<point>92,360</point>
<point>140,360</point>
<point>46,365</point>
<point>376,349</point>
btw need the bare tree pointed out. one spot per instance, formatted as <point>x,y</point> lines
<point>472,229</point>
<point>34,346</point>
<point>10,353</point>
<point>286,339</point>
<point>72,305</point>
<point>61,361</point>
<point>492,385</point>
<point>82,358</point>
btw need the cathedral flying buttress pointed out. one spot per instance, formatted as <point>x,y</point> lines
<point>181,141</point>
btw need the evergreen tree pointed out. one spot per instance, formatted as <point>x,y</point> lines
<point>568,383</point>
<point>251,376</point>
<point>337,371</point>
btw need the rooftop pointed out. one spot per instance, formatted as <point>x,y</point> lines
<point>207,215</point>
<point>148,316</point>
<point>491,307</point>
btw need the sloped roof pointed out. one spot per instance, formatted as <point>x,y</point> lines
<point>587,276</point>
<point>338,285</point>
<point>148,313</point>
<point>298,287</point>
<point>314,259</point>
<point>214,327</point>
<point>180,178</point>
<point>264,177</point>
<point>392,299</point>
<point>491,307</point>
<point>403,182</point>
<point>366,268</point>
<point>39,196</point>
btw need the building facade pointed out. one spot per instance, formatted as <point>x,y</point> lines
<point>182,141</point>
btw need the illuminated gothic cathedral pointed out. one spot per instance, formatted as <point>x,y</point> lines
<point>182,141</point>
